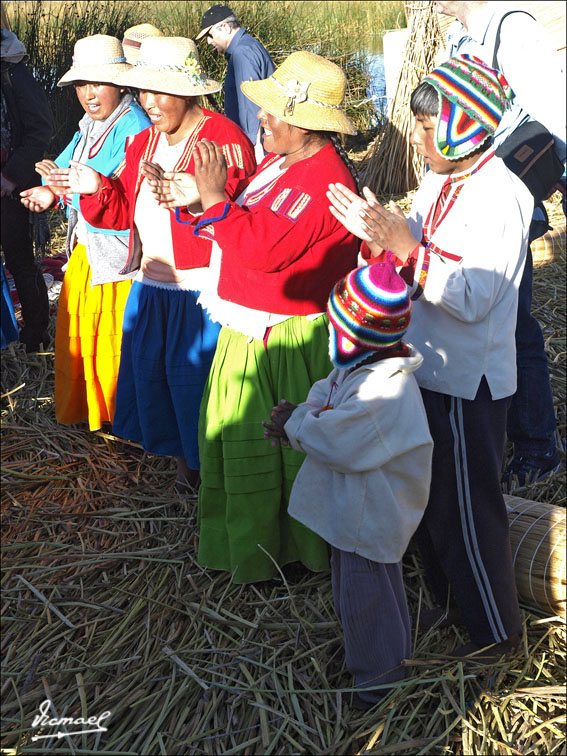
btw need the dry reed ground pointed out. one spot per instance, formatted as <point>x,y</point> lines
<point>105,608</point>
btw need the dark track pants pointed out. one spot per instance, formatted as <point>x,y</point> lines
<point>464,535</point>
<point>17,247</point>
<point>370,602</point>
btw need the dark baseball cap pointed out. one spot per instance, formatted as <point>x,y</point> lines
<point>214,15</point>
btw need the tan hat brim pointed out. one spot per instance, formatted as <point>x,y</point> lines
<point>108,73</point>
<point>307,115</point>
<point>202,33</point>
<point>168,82</point>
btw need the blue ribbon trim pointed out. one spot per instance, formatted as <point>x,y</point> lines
<point>206,221</point>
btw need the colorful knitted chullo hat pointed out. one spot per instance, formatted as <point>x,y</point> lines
<point>369,310</point>
<point>473,98</point>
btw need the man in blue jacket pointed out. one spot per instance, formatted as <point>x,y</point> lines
<point>247,60</point>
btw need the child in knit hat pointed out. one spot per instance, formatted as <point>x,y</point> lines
<point>364,483</point>
<point>461,250</point>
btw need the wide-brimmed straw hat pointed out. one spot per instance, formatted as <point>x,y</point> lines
<point>306,90</point>
<point>97,58</point>
<point>133,38</point>
<point>169,65</point>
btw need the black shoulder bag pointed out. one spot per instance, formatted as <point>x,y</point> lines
<point>529,151</point>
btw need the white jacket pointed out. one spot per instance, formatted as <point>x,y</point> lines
<point>365,482</point>
<point>465,320</point>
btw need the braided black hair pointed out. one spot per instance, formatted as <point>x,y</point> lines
<point>341,152</point>
<point>212,103</point>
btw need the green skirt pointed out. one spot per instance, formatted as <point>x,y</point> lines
<point>245,482</point>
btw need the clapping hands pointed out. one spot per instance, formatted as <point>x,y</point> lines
<point>366,218</point>
<point>78,178</point>
<point>211,172</point>
<point>172,189</point>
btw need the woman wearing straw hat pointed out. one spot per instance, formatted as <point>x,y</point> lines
<point>133,38</point>
<point>169,341</point>
<point>282,251</point>
<point>92,300</point>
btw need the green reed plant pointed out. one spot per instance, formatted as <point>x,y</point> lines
<point>49,30</point>
<point>336,30</point>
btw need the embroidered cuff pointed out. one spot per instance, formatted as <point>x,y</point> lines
<point>215,212</point>
<point>178,211</point>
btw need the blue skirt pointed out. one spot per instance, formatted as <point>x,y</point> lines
<point>168,344</point>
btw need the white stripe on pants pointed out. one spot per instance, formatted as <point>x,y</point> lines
<point>464,534</point>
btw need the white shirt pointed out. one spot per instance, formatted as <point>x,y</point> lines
<point>464,322</point>
<point>154,224</point>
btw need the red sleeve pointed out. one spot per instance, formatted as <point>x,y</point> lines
<point>110,206</point>
<point>238,151</point>
<point>266,239</point>
<point>407,272</point>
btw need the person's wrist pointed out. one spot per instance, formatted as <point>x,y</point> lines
<point>403,251</point>
<point>208,199</point>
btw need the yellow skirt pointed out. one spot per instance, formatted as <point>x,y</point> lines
<point>87,344</point>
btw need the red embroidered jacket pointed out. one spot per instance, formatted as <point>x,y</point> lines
<point>114,205</point>
<point>284,251</point>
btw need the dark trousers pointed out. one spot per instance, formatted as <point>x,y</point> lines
<point>17,247</point>
<point>531,416</point>
<point>464,535</point>
<point>370,602</point>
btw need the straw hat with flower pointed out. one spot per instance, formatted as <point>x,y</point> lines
<point>133,38</point>
<point>98,58</point>
<point>169,65</point>
<point>306,90</point>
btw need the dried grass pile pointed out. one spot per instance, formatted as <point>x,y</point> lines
<point>105,608</point>
<point>393,166</point>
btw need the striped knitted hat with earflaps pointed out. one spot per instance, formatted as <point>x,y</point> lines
<point>473,98</point>
<point>369,310</point>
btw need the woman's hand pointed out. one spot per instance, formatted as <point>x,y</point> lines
<point>274,430</point>
<point>388,229</point>
<point>38,199</point>
<point>210,173</point>
<point>366,218</point>
<point>44,167</point>
<point>172,189</point>
<point>346,207</point>
<point>77,179</point>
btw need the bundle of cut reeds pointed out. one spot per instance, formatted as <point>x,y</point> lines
<point>549,246</point>
<point>393,167</point>
<point>537,535</point>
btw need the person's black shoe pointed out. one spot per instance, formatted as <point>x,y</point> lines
<point>38,346</point>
